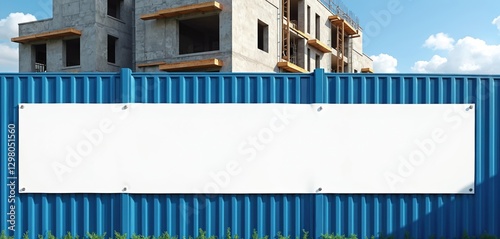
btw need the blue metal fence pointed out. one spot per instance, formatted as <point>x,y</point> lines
<point>422,216</point>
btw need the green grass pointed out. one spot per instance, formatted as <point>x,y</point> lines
<point>229,235</point>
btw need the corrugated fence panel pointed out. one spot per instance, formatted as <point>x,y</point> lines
<point>222,88</point>
<point>183,215</point>
<point>58,213</point>
<point>422,216</point>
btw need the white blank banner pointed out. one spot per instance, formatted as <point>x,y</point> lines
<point>246,148</point>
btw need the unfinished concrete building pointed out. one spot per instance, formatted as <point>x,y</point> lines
<point>196,35</point>
<point>82,36</point>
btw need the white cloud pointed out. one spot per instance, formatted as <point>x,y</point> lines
<point>429,66</point>
<point>468,55</point>
<point>8,58</point>
<point>439,41</point>
<point>496,22</point>
<point>9,25</point>
<point>384,63</point>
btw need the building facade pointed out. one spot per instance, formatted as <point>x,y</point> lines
<point>194,35</point>
<point>82,36</point>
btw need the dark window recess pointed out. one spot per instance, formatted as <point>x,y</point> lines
<point>294,13</point>
<point>199,35</point>
<point>308,59</point>
<point>318,61</point>
<point>308,19</point>
<point>72,52</point>
<point>318,27</point>
<point>114,7</point>
<point>40,57</point>
<point>262,36</point>
<point>112,49</point>
<point>334,38</point>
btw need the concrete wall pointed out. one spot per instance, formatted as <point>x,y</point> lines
<point>246,54</point>
<point>122,29</point>
<point>324,34</point>
<point>359,59</point>
<point>90,17</point>
<point>158,40</point>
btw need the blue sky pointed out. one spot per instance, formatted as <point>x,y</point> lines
<point>463,34</point>
<point>41,9</point>
<point>443,36</point>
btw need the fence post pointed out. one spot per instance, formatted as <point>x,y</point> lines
<point>319,97</point>
<point>319,85</point>
<point>126,81</point>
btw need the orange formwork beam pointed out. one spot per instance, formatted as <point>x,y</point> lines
<point>319,45</point>
<point>192,65</point>
<point>290,67</point>
<point>367,70</point>
<point>47,35</point>
<point>187,9</point>
<point>338,21</point>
